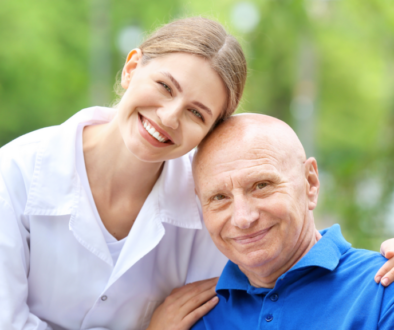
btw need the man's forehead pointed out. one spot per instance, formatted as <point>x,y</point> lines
<point>249,159</point>
<point>250,140</point>
<point>243,155</point>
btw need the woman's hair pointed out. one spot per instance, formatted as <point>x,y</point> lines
<point>208,39</point>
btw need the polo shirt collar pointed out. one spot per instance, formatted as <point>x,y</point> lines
<point>326,253</point>
<point>55,186</point>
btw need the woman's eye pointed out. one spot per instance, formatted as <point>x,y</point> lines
<point>196,113</point>
<point>168,88</point>
<point>261,185</point>
<point>219,197</point>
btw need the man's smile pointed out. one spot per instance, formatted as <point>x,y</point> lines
<point>252,238</point>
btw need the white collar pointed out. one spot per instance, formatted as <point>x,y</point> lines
<point>55,183</point>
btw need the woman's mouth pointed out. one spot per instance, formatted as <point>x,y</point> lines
<point>151,130</point>
<point>152,133</point>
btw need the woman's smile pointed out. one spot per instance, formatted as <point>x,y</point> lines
<point>160,119</point>
<point>152,133</point>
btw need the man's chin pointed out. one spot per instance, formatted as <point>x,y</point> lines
<point>255,261</point>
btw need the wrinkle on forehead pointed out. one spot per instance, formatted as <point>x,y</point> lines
<point>249,138</point>
<point>267,163</point>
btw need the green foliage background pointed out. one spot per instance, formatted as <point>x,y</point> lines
<point>44,78</point>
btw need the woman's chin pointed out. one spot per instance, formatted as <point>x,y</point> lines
<point>148,154</point>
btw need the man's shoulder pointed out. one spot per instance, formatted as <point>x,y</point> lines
<point>357,269</point>
<point>365,260</point>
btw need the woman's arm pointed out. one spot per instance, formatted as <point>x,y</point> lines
<point>385,275</point>
<point>185,306</point>
<point>14,311</point>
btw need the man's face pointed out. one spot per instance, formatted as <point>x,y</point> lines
<point>254,201</point>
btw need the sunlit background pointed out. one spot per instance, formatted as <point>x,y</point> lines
<point>326,67</point>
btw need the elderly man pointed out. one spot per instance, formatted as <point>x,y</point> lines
<point>258,192</point>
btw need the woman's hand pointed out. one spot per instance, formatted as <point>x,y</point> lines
<point>385,275</point>
<point>185,306</point>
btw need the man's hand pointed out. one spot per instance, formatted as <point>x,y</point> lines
<point>185,306</point>
<point>385,275</point>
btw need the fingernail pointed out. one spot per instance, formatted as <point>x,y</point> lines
<point>215,299</point>
<point>385,281</point>
<point>377,279</point>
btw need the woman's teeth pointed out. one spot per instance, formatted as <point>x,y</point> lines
<point>153,132</point>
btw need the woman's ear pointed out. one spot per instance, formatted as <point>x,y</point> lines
<point>132,61</point>
<point>313,184</point>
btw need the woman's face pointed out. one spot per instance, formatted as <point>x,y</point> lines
<point>169,105</point>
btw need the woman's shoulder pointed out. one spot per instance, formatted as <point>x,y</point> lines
<point>17,164</point>
<point>24,148</point>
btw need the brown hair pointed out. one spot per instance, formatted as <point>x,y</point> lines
<point>208,39</point>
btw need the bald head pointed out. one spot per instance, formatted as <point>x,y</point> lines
<point>251,133</point>
<point>257,192</point>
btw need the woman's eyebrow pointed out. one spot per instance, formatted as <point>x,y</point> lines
<point>174,81</point>
<point>203,107</point>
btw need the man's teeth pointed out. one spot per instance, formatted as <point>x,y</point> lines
<point>153,132</point>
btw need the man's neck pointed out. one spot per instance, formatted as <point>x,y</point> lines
<point>266,275</point>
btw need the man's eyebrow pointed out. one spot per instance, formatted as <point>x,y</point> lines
<point>174,81</point>
<point>203,107</point>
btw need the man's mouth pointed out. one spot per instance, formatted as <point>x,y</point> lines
<point>251,238</point>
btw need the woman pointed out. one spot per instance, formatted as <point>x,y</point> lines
<point>99,220</point>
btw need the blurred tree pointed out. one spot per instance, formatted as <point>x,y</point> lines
<point>45,57</point>
<point>43,64</point>
<point>350,48</point>
<point>334,56</point>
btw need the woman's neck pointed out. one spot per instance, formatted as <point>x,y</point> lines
<point>120,182</point>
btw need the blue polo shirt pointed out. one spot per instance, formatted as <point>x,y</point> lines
<point>332,287</point>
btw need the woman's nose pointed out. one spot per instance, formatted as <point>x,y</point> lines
<point>170,115</point>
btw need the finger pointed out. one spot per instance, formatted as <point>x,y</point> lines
<point>388,278</point>
<point>385,274</point>
<point>187,291</point>
<point>389,254</point>
<point>387,248</point>
<point>198,299</point>
<point>199,312</point>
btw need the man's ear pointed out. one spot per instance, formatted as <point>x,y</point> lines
<point>313,184</point>
<point>132,61</point>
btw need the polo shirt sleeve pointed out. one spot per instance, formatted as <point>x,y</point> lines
<point>14,256</point>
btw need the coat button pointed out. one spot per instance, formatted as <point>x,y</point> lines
<point>104,298</point>
<point>274,297</point>
<point>269,317</point>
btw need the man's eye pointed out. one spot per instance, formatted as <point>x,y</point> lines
<point>196,113</point>
<point>261,185</point>
<point>219,197</point>
<point>168,88</point>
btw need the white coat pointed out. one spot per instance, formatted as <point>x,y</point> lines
<point>56,270</point>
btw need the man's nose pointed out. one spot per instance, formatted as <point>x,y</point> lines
<point>170,115</point>
<point>244,212</point>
